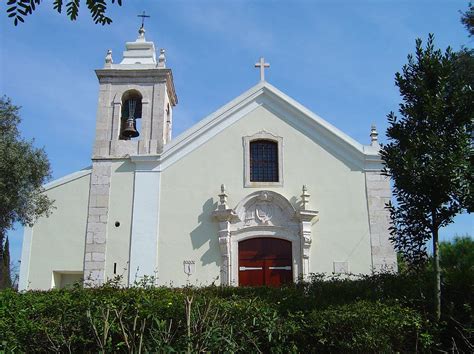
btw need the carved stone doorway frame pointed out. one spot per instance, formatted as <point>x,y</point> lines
<point>263,214</point>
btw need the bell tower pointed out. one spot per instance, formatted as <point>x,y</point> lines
<point>134,118</point>
<point>136,100</point>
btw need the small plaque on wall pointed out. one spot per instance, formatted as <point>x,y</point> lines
<point>341,267</point>
<point>189,267</point>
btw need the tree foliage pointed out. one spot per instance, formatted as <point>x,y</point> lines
<point>429,154</point>
<point>6,281</point>
<point>457,255</point>
<point>457,258</point>
<point>467,19</point>
<point>23,170</point>
<point>19,9</point>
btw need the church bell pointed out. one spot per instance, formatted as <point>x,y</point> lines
<point>130,130</point>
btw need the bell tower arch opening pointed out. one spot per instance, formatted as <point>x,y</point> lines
<point>130,115</point>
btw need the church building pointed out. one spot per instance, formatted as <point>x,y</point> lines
<point>260,192</point>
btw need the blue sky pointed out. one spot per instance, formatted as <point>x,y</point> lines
<point>338,58</point>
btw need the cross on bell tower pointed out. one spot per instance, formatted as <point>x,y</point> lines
<point>141,31</point>
<point>143,16</point>
<point>262,65</point>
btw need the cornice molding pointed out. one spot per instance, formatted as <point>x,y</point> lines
<point>148,75</point>
<point>68,178</point>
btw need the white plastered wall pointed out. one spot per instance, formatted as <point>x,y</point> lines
<point>56,244</point>
<point>120,211</point>
<point>189,189</point>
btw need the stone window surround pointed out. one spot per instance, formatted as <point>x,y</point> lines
<point>262,135</point>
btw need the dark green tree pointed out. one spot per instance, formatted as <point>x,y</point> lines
<point>429,154</point>
<point>5,251</point>
<point>467,19</point>
<point>456,259</point>
<point>19,9</point>
<point>23,170</point>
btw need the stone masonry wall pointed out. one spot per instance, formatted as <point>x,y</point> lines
<point>378,195</point>
<point>96,232</point>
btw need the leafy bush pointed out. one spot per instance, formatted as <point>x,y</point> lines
<point>289,319</point>
<point>366,326</point>
<point>376,313</point>
<point>457,266</point>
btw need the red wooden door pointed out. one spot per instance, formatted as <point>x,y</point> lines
<point>265,262</point>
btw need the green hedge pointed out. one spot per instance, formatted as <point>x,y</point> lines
<point>376,313</point>
<point>303,318</point>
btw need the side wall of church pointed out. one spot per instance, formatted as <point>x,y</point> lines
<point>54,247</point>
<point>119,223</point>
<point>189,189</point>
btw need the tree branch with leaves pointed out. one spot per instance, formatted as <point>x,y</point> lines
<point>23,170</point>
<point>19,9</point>
<point>467,19</point>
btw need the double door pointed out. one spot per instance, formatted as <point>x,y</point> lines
<point>265,262</point>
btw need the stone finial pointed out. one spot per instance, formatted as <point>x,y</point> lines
<point>305,197</point>
<point>223,198</point>
<point>108,57</point>
<point>374,140</point>
<point>162,59</point>
<point>141,34</point>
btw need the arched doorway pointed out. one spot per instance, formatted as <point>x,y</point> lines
<point>265,261</point>
<point>263,215</point>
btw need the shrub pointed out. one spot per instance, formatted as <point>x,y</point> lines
<point>202,320</point>
<point>366,326</point>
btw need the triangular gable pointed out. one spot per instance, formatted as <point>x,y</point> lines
<point>264,94</point>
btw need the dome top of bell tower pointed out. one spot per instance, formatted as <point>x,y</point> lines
<point>139,52</point>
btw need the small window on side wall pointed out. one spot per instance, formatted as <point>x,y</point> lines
<point>263,160</point>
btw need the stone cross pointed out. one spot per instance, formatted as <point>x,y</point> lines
<point>143,16</point>
<point>262,65</point>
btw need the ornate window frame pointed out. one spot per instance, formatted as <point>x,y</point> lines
<point>262,135</point>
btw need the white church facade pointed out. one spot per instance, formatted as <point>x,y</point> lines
<point>260,192</point>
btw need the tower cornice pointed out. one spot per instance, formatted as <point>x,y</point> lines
<point>142,76</point>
